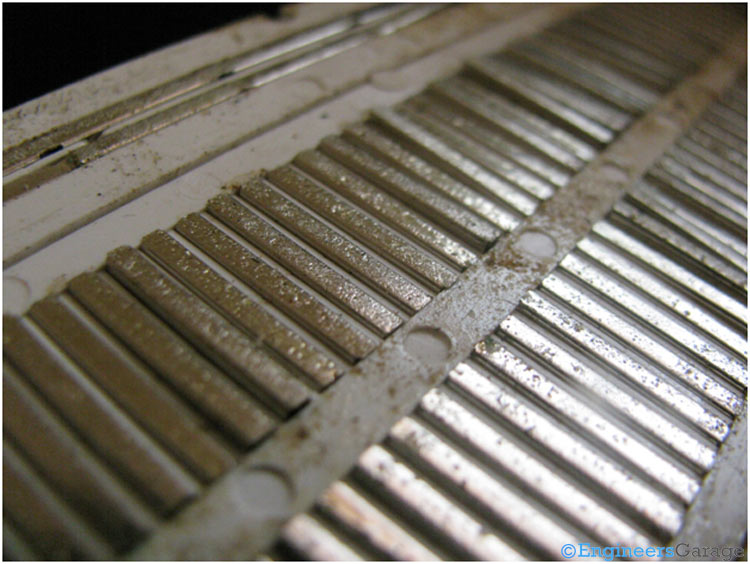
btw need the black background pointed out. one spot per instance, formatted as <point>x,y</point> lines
<point>46,46</point>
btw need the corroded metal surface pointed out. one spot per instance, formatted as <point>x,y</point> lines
<point>589,415</point>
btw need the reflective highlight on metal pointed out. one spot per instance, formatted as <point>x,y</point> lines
<point>604,397</point>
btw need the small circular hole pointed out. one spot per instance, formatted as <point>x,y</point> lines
<point>537,244</point>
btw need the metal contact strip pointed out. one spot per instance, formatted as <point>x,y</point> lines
<point>173,254</point>
<point>632,368</point>
<point>736,157</point>
<point>370,138</point>
<point>699,452</point>
<point>419,110</point>
<point>386,208</point>
<point>594,78</point>
<point>363,227</point>
<point>71,468</point>
<point>191,375</point>
<point>39,514</point>
<point>309,537</point>
<point>303,265</point>
<point>596,277</point>
<point>643,499</point>
<point>597,109</point>
<point>636,54</point>
<point>560,403</point>
<point>523,158</point>
<point>436,150</point>
<point>630,63</point>
<point>709,166</point>
<point>536,134</point>
<point>252,367</point>
<point>506,79</point>
<point>401,374</point>
<point>212,76</point>
<point>648,34</point>
<point>273,286</point>
<point>722,136</point>
<point>665,231</point>
<point>348,508</point>
<point>478,490</point>
<point>462,223</point>
<point>110,430</point>
<point>431,507</point>
<point>693,222</point>
<point>671,295</point>
<point>369,268</point>
<point>446,413</point>
<point>718,193</point>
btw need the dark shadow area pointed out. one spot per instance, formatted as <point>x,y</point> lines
<point>46,46</point>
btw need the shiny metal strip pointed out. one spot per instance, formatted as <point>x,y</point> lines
<point>490,497</point>
<point>504,78</point>
<point>69,467</point>
<point>627,365</point>
<point>371,139</point>
<point>210,391</point>
<point>324,239</point>
<point>691,148</point>
<point>589,422</point>
<point>637,55</point>
<point>42,517</point>
<point>669,46</point>
<point>596,277</point>
<point>536,134</point>
<point>728,120</point>
<point>694,222</point>
<point>274,287</point>
<point>307,536</point>
<point>431,509</point>
<point>96,418</point>
<point>231,349</point>
<point>716,146</point>
<point>723,136</point>
<point>528,157</point>
<point>612,54</point>
<point>420,110</point>
<point>666,232</point>
<point>387,384</point>
<point>476,436</point>
<point>228,140</point>
<point>239,307</point>
<point>372,527</point>
<point>208,85</point>
<point>596,108</point>
<point>302,264</point>
<point>673,363</point>
<point>452,217</point>
<point>726,217</point>
<point>633,493</point>
<point>360,225</point>
<point>720,503</point>
<point>587,73</point>
<point>720,194</point>
<point>672,298</point>
<point>710,166</point>
<point>617,398</point>
<point>456,163</point>
<point>384,207</point>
